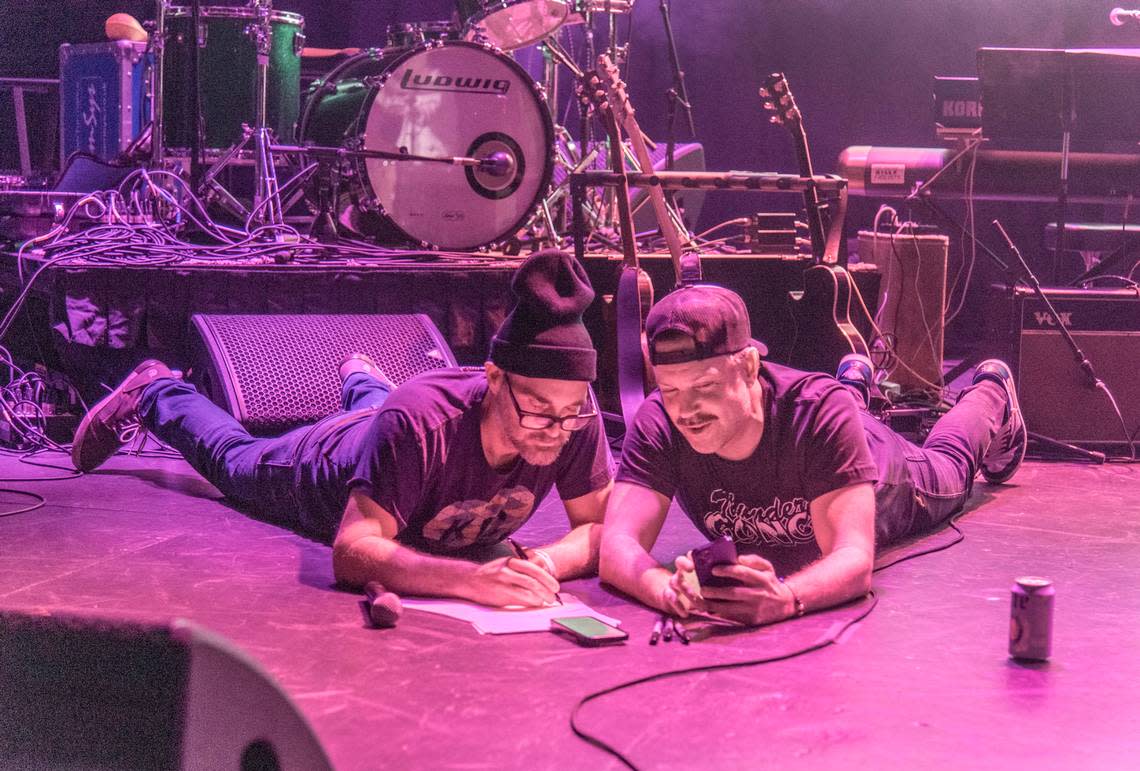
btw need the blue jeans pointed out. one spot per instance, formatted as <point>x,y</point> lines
<point>921,488</point>
<point>261,473</point>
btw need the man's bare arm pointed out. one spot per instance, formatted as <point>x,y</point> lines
<point>633,521</point>
<point>364,550</point>
<point>844,523</point>
<point>576,553</point>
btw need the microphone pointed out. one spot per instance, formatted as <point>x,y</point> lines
<point>384,608</point>
<point>498,164</point>
<point>1118,16</point>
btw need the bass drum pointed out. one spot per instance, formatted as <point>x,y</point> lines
<point>439,99</point>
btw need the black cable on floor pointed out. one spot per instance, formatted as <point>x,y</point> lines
<point>38,504</point>
<point>933,549</point>
<point>830,638</point>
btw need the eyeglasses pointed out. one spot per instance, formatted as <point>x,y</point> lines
<point>538,421</point>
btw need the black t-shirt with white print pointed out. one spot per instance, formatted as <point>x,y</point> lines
<point>421,458</point>
<point>813,443</point>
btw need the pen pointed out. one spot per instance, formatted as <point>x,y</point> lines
<point>518,549</point>
<point>682,632</point>
<point>656,633</point>
<point>522,556</point>
<point>667,635</point>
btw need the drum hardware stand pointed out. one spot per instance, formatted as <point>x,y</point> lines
<point>267,206</point>
<point>196,46</point>
<point>158,46</point>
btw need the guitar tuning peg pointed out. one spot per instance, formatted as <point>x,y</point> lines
<point>765,92</point>
<point>769,105</point>
<point>774,118</point>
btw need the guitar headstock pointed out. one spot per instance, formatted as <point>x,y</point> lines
<point>779,101</point>
<point>592,93</point>
<point>611,81</point>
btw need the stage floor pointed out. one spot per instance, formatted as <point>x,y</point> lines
<point>922,682</point>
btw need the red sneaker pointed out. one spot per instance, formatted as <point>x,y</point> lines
<point>99,434</point>
<point>362,362</point>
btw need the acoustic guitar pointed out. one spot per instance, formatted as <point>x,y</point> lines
<point>635,290</point>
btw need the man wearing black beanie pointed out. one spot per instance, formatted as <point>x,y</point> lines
<point>405,485</point>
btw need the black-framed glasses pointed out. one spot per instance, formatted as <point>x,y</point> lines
<point>538,421</point>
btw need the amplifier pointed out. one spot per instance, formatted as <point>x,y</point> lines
<point>912,295</point>
<point>103,103</point>
<point>1055,396</point>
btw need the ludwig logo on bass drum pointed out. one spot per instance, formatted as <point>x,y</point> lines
<point>476,85</point>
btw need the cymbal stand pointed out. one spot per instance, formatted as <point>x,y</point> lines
<point>267,207</point>
<point>158,46</point>
<point>677,94</point>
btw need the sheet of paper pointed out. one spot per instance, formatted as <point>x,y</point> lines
<point>507,620</point>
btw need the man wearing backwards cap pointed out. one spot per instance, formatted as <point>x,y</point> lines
<point>452,461</point>
<point>789,464</point>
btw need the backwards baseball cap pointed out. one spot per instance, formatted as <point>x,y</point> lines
<point>543,335</point>
<point>713,318</point>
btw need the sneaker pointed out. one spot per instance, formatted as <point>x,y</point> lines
<point>362,362</point>
<point>1007,450</point>
<point>102,430</point>
<point>855,370</point>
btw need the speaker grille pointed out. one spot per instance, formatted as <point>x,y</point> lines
<point>274,372</point>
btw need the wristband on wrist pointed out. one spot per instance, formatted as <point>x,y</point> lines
<point>797,602</point>
<point>546,561</point>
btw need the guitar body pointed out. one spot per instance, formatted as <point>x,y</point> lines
<point>824,331</point>
<point>635,376</point>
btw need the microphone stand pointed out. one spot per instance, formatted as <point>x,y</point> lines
<point>196,44</point>
<point>1067,119</point>
<point>1019,269</point>
<point>677,94</point>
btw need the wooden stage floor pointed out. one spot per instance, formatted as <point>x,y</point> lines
<point>922,682</point>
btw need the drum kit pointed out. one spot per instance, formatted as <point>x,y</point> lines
<point>437,138</point>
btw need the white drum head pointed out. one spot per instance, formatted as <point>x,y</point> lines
<point>458,99</point>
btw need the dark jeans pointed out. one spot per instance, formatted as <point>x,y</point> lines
<point>921,488</point>
<point>252,471</point>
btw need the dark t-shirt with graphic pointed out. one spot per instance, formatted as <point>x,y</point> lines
<point>420,456</point>
<point>813,443</point>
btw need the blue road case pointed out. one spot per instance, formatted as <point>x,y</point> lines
<point>104,100</point>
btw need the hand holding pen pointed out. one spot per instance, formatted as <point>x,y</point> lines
<point>521,554</point>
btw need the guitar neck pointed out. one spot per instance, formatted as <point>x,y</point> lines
<point>812,203</point>
<point>656,196</point>
<point>621,106</point>
<point>624,210</point>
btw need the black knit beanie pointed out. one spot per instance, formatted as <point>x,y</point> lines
<point>543,336</point>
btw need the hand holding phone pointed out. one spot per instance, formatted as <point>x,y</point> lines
<point>587,630</point>
<point>721,551</point>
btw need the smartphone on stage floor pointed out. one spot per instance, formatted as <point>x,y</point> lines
<point>586,630</point>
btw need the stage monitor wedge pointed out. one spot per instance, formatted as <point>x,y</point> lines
<point>276,372</point>
<point>118,693</point>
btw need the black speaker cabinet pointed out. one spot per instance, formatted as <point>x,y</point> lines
<point>276,372</point>
<point>1054,394</point>
<point>112,693</point>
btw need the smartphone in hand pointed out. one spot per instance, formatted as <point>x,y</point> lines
<point>721,551</point>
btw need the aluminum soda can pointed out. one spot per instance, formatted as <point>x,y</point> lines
<point>1031,619</point>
